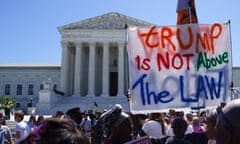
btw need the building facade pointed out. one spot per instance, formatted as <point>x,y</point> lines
<point>23,82</point>
<point>94,56</point>
<point>93,73</point>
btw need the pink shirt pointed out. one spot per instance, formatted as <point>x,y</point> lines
<point>198,129</point>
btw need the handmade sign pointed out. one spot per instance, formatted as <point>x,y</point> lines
<point>179,66</point>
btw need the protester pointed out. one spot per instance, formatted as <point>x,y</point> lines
<point>137,123</point>
<point>179,126</point>
<point>56,131</point>
<point>197,126</point>
<point>228,126</point>
<point>86,125</point>
<point>189,129</point>
<point>32,122</point>
<point>153,127</point>
<point>159,117</point>
<point>220,107</point>
<point>5,133</point>
<point>22,129</point>
<point>40,118</point>
<point>189,118</point>
<point>7,108</point>
<point>210,128</point>
<point>119,124</point>
<point>59,114</point>
<point>171,114</point>
<point>97,133</point>
<point>203,117</point>
<point>74,115</point>
<point>198,136</point>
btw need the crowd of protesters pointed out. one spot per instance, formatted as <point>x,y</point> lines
<point>116,126</point>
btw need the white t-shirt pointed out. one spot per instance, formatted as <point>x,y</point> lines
<point>23,128</point>
<point>153,129</point>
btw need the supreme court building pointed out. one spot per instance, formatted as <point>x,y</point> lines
<point>94,57</point>
<point>93,73</point>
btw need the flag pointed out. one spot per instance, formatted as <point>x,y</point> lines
<point>186,12</point>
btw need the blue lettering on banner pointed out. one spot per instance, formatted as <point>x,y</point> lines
<point>206,86</point>
<point>211,86</point>
<point>158,97</point>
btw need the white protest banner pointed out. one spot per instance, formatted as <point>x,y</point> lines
<point>179,66</point>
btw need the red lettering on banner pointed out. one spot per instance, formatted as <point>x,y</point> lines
<point>177,61</point>
<point>166,34</point>
<point>163,37</point>
<point>187,57</point>
<point>190,37</point>
<point>143,64</point>
<point>151,36</point>
<point>214,34</point>
<point>161,60</point>
<point>204,42</point>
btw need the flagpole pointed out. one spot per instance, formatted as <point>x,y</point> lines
<point>190,14</point>
<point>189,11</point>
<point>126,69</point>
<point>232,84</point>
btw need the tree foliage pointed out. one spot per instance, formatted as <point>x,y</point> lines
<point>3,99</point>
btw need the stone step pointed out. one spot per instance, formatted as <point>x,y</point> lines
<point>12,125</point>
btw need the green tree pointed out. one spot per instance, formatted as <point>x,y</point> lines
<point>3,99</point>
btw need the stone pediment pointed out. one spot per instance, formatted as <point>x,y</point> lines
<point>111,20</point>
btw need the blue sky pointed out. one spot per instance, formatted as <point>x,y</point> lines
<point>29,32</point>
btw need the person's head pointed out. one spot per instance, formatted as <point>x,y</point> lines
<point>2,119</point>
<point>40,119</point>
<point>32,118</point>
<point>189,118</point>
<point>195,121</point>
<point>84,115</point>
<point>228,125</point>
<point>122,124</point>
<point>179,114</point>
<point>56,131</point>
<point>223,104</point>
<point>167,119</point>
<point>210,126</point>
<point>75,114</point>
<point>203,114</point>
<point>59,114</point>
<point>171,112</point>
<point>118,122</point>
<point>18,116</point>
<point>141,118</point>
<point>197,126</point>
<point>179,126</point>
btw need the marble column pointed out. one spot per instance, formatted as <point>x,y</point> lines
<point>65,55</point>
<point>105,74</point>
<point>77,72</point>
<point>91,72</point>
<point>121,69</point>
